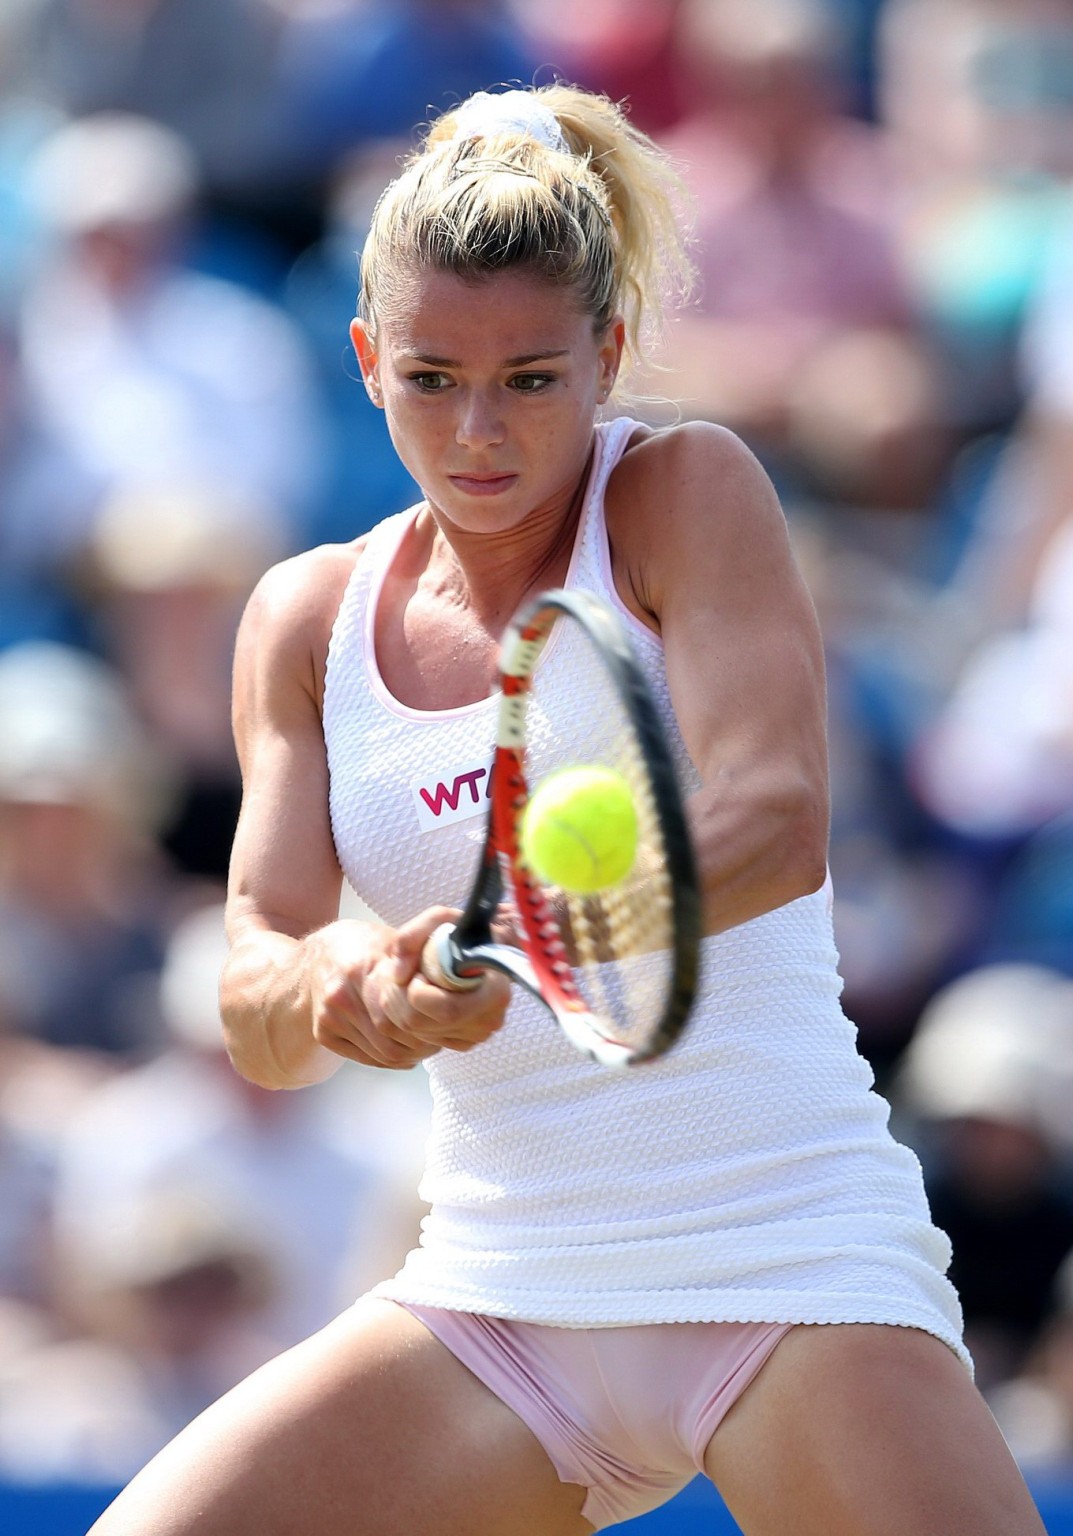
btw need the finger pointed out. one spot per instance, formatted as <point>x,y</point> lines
<point>460,1045</point>
<point>472,1016</point>
<point>409,941</point>
<point>393,1002</point>
<point>385,1054</point>
<point>362,1036</point>
<point>380,1050</point>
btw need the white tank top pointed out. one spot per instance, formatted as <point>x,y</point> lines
<point>749,1176</point>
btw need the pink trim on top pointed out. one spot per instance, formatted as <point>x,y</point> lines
<point>603,555</point>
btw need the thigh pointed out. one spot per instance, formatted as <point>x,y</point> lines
<point>370,1428</point>
<point>862,1430</point>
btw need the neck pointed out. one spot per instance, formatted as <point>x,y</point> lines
<point>492,573</point>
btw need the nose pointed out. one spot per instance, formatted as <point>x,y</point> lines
<point>480,420</point>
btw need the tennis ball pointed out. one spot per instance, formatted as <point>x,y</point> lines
<point>579,830</point>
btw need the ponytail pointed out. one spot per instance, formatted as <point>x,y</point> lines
<point>555,180</point>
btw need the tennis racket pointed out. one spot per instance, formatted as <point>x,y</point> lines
<point>618,968</point>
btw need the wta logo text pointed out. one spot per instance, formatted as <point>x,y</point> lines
<point>455,795</point>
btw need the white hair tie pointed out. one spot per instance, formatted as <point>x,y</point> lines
<point>484,115</point>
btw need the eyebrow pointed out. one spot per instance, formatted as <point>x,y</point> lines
<point>510,362</point>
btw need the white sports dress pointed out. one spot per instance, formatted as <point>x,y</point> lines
<point>749,1176</point>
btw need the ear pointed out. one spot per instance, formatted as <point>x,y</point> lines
<point>366,354</point>
<point>609,357</point>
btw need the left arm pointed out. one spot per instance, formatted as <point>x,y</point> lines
<point>701,552</point>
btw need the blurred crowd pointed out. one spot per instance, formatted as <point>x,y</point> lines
<point>882,195</point>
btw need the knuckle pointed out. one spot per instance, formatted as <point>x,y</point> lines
<point>335,991</point>
<point>398,1056</point>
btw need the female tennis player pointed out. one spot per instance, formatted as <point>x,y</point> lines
<point>719,1261</point>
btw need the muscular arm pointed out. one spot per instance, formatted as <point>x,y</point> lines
<point>284,882</point>
<point>701,550</point>
<point>302,990</point>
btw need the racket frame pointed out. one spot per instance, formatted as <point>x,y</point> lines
<point>460,951</point>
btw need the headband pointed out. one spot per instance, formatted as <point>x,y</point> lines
<point>484,115</point>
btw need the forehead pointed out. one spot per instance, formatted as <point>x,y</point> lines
<point>433,313</point>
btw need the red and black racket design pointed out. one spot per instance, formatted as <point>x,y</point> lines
<point>617,968</point>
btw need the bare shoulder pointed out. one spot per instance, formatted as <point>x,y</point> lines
<point>306,588</point>
<point>687,505</point>
<point>697,463</point>
<point>288,619</point>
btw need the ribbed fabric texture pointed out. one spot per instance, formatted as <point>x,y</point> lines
<point>749,1176</point>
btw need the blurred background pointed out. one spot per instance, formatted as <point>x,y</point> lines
<point>884,218</point>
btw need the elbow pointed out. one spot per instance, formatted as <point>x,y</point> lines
<point>266,1016</point>
<point>791,857</point>
<point>255,1052</point>
<point>252,1071</point>
<point>764,857</point>
<point>245,1036</point>
<point>248,1063</point>
<point>260,1066</point>
<point>235,1024</point>
<point>805,843</point>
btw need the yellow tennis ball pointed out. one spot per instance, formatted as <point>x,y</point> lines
<point>579,830</point>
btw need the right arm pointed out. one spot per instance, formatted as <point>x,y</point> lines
<point>302,989</point>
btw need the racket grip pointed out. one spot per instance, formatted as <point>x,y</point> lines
<point>437,962</point>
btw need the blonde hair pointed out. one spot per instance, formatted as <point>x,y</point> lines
<point>603,216</point>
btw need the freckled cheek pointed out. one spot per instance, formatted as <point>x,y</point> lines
<point>417,439</point>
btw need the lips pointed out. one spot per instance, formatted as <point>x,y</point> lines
<point>483,485</point>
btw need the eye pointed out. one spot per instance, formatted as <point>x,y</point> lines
<point>429,383</point>
<point>531,383</point>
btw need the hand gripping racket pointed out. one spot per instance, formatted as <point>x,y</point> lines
<point>617,968</point>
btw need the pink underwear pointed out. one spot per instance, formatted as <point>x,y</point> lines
<point>625,1412</point>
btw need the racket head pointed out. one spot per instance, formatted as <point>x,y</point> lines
<point>618,967</point>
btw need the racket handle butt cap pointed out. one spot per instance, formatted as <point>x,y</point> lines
<point>437,962</point>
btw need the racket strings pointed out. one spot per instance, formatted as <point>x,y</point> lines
<point>616,966</point>
<point>620,938</point>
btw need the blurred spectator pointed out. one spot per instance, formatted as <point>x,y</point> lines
<point>82,907</point>
<point>978,97</point>
<point>170,567</point>
<point>859,20</point>
<point>357,71</point>
<point>199,1225</point>
<point>954,670</point>
<point>325,1179</point>
<point>1029,497</point>
<point>25,1191</point>
<point>26,1256</point>
<point>998,760</point>
<point>23,124</point>
<point>1046,357</point>
<point>624,48</point>
<point>167,373</point>
<point>989,1075</point>
<point>992,761</point>
<point>804,340</point>
<point>1032,908</point>
<point>203,68</point>
<point>39,508</point>
<point>27,1263</point>
<point>1035,1409</point>
<point>159,1322</point>
<point>366,481</point>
